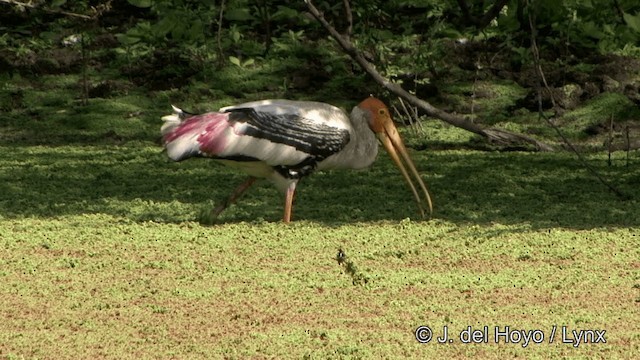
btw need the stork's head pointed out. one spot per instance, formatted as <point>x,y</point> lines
<point>381,124</point>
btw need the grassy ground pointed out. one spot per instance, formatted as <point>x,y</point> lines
<point>106,249</point>
<point>102,256</point>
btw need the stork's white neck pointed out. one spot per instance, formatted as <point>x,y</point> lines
<point>362,148</point>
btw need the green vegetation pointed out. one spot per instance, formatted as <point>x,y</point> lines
<point>101,256</point>
<point>93,286</point>
<point>107,249</point>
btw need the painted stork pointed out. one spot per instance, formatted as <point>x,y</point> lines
<point>284,141</point>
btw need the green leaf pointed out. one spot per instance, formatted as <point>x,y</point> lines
<point>632,21</point>
<point>248,62</point>
<point>284,13</point>
<point>125,39</point>
<point>196,33</point>
<point>238,15</point>
<point>165,26</point>
<point>235,61</point>
<point>140,3</point>
<point>235,35</point>
<point>591,29</point>
<point>49,35</point>
<point>57,3</point>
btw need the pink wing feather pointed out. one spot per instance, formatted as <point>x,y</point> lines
<point>213,135</point>
<point>196,136</point>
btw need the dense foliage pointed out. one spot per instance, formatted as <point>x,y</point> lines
<point>228,50</point>
<point>406,38</point>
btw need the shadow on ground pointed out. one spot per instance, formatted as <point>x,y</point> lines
<point>136,181</point>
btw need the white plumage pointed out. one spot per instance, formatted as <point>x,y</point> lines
<point>285,140</point>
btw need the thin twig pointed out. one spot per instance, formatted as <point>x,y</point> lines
<point>349,14</point>
<point>584,162</point>
<point>628,145</point>
<point>610,138</point>
<point>221,59</point>
<point>416,116</point>
<point>50,11</point>
<point>399,114</point>
<point>85,77</point>
<point>412,121</point>
<point>536,60</point>
<point>408,116</point>
<point>474,93</point>
<point>414,109</point>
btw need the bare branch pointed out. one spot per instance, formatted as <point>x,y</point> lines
<point>349,14</point>
<point>499,136</point>
<point>51,11</point>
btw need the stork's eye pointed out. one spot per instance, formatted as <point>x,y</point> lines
<point>382,112</point>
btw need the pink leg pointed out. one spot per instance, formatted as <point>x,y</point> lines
<point>235,195</point>
<point>288,202</point>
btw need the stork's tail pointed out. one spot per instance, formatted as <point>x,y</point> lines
<point>172,121</point>
<point>182,132</point>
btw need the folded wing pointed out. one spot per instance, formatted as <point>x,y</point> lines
<point>277,132</point>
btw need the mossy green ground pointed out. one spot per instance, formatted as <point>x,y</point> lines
<point>102,256</point>
<point>107,251</point>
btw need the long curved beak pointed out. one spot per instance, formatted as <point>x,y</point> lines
<point>394,145</point>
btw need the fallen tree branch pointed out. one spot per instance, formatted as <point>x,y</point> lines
<point>494,135</point>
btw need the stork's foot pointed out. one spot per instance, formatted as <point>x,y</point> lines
<point>235,195</point>
<point>218,209</point>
